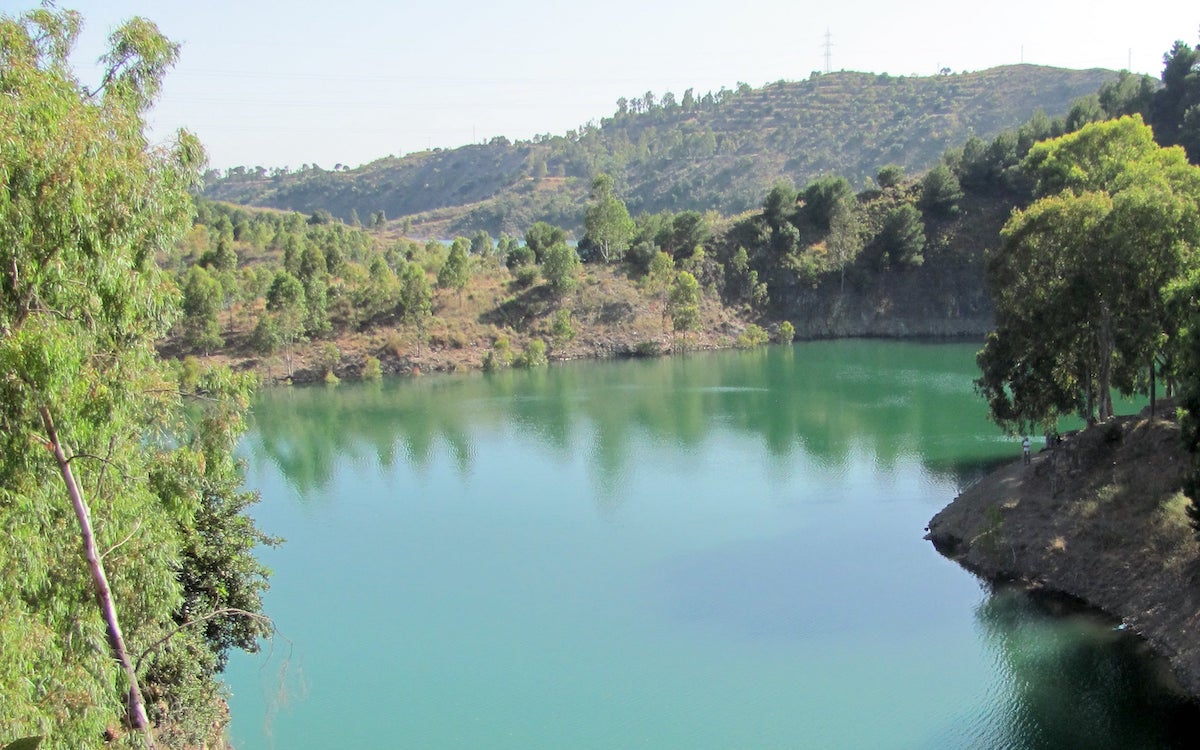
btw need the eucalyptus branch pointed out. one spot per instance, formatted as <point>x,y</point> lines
<point>105,463</point>
<point>136,527</point>
<point>222,612</point>
<point>112,441</point>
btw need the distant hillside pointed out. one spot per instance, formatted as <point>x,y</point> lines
<point>719,151</point>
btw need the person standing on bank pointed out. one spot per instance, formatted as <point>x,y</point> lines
<point>1025,448</point>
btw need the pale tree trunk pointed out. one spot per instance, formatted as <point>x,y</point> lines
<point>1153,393</point>
<point>136,706</point>
<point>1106,353</point>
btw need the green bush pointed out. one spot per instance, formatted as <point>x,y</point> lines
<point>752,337</point>
<point>372,369</point>
<point>526,277</point>
<point>786,334</point>
<point>534,354</point>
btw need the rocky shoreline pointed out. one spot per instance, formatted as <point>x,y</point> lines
<point>1101,518</point>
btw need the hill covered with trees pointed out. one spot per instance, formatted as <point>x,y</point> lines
<point>718,151</point>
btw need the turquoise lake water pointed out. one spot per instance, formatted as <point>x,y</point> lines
<point>712,551</point>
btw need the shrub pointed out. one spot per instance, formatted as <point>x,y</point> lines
<point>786,334</point>
<point>647,349</point>
<point>372,369</point>
<point>534,354</point>
<point>753,336</point>
<point>526,277</point>
<point>561,329</point>
<point>500,355</point>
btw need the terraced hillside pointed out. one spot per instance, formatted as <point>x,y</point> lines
<point>720,151</point>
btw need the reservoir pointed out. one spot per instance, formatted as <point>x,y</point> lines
<point>711,551</point>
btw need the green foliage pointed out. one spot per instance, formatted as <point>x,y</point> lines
<point>541,236</point>
<point>786,334</point>
<point>561,330</point>
<point>500,355</point>
<point>266,339</point>
<point>660,271</point>
<point>902,239</point>
<point>1129,94</point>
<point>607,225</point>
<point>890,176</point>
<point>519,256</point>
<point>1183,302</point>
<point>940,192</point>
<point>526,277</point>
<point>823,198</point>
<point>372,369</point>
<point>683,303</point>
<point>533,356</point>
<point>456,271</point>
<point>780,205</point>
<point>286,302</point>
<point>1084,110</point>
<point>381,290</point>
<point>330,358</point>
<point>752,337</point>
<point>416,298</point>
<point>201,303</point>
<point>85,209</point>
<point>1175,108</point>
<point>560,268</point>
<point>482,244</point>
<point>1080,283</point>
<point>641,255</point>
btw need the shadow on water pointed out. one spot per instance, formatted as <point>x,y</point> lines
<point>826,401</point>
<point>1074,680</point>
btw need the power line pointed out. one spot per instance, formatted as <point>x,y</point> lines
<point>828,51</point>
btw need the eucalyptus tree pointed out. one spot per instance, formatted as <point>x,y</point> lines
<point>416,299</point>
<point>560,268</point>
<point>286,302</point>
<point>455,273</point>
<point>112,498</point>
<point>683,302</point>
<point>608,228</point>
<point>201,302</point>
<point>1080,280</point>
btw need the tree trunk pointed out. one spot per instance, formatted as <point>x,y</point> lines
<point>1106,350</point>
<point>136,706</point>
<point>1153,395</point>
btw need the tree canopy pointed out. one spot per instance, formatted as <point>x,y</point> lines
<point>607,225</point>
<point>1080,280</point>
<point>94,445</point>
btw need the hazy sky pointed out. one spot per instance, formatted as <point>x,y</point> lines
<point>288,82</point>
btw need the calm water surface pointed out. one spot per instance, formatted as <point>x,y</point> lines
<point>717,551</point>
